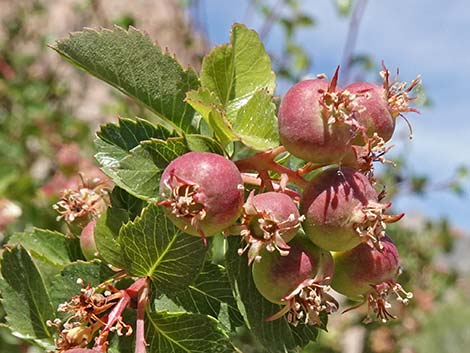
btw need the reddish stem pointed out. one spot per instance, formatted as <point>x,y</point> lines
<point>254,179</point>
<point>264,162</point>
<point>140,343</point>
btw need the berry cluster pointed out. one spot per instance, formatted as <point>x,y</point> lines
<point>290,220</point>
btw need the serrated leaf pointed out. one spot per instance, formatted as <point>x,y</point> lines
<point>153,247</point>
<point>25,298</point>
<point>238,73</point>
<point>205,296</point>
<point>65,285</point>
<point>122,200</point>
<point>125,161</point>
<point>277,335</point>
<point>185,333</point>
<point>128,133</point>
<point>209,106</point>
<point>48,246</point>
<point>131,62</point>
<point>256,123</point>
<point>106,233</point>
<point>201,143</point>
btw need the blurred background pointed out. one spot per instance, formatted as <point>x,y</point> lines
<point>49,112</point>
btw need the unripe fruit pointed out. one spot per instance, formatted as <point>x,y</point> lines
<point>364,266</point>
<point>341,210</point>
<point>270,220</point>
<point>376,116</point>
<point>203,193</point>
<point>316,122</point>
<point>298,281</point>
<point>366,273</point>
<point>382,104</point>
<point>87,241</point>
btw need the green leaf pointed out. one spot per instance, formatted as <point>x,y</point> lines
<point>25,298</point>
<point>122,200</point>
<point>209,106</point>
<point>128,133</point>
<point>205,296</point>
<point>237,74</point>
<point>125,161</point>
<point>185,333</point>
<point>236,71</point>
<point>277,335</point>
<point>153,247</point>
<point>256,123</point>
<point>65,285</point>
<point>106,233</point>
<point>131,62</point>
<point>50,247</point>
<point>201,143</point>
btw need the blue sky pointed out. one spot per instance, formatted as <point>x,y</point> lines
<point>420,37</point>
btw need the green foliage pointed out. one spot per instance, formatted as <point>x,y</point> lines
<point>153,247</point>
<point>236,95</point>
<point>25,298</point>
<point>129,61</point>
<point>183,332</point>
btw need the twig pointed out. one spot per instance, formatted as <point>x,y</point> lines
<point>351,39</point>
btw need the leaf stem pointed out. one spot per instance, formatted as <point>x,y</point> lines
<point>254,179</point>
<point>264,162</point>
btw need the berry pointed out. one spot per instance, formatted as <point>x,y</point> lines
<point>341,210</point>
<point>316,122</point>
<point>369,274</point>
<point>270,220</point>
<point>203,193</point>
<point>382,104</point>
<point>299,281</point>
<point>87,241</point>
<point>376,116</point>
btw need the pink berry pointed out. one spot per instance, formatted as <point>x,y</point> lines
<point>203,193</point>
<point>87,241</point>
<point>376,116</point>
<point>341,209</point>
<point>299,281</point>
<point>270,220</point>
<point>315,122</point>
<point>369,274</point>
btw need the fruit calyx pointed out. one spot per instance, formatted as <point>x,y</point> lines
<point>372,228</point>
<point>183,202</point>
<point>307,302</point>
<point>339,106</point>
<point>373,150</point>
<point>262,228</point>
<point>397,92</point>
<point>378,301</point>
<point>310,299</point>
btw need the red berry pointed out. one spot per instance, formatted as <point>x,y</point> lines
<point>203,193</point>
<point>367,273</point>
<point>270,220</point>
<point>341,209</point>
<point>316,122</point>
<point>298,281</point>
